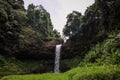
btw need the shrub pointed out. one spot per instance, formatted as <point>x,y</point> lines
<point>110,72</point>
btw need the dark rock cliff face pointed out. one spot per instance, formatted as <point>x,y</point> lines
<point>39,52</point>
<point>44,56</point>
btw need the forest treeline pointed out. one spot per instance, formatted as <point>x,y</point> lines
<point>21,28</point>
<point>27,38</point>
<point>24,34</point>
<point>94,38</point>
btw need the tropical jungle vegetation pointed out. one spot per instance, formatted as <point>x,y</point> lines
<point>28,40</point>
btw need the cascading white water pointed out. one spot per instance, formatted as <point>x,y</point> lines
<point>57,58</point>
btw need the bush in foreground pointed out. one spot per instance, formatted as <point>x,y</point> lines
<point>111,72</point>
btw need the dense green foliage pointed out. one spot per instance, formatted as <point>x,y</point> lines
<point>106,52</point>
<point>27,42</point>
<point>73,21</point>
<point>99,19</point>
<point>10,24</point>
<point>23,36</point>
<point>94,36</point>
<point>40,20</point>
<point>81,73</point>
<point>15,25</point>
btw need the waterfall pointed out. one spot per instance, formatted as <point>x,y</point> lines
<point>57,58</point>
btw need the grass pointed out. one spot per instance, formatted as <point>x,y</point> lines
<point>47,76</point>
<point>111,72</point>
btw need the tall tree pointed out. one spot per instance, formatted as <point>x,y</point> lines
<point>39,19</point>
<point>73,23</point>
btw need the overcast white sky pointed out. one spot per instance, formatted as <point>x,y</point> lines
<point>59,9</point>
